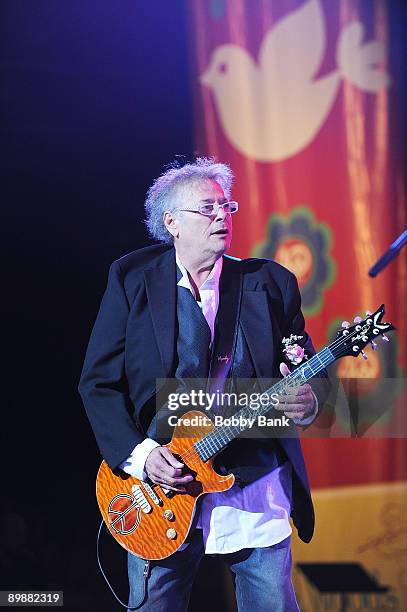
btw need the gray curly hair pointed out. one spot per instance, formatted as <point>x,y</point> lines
<point>162,195</point>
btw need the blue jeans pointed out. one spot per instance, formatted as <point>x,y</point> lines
<point>262,578</point>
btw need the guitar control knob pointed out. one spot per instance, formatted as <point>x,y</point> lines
<point>168,514</point>
<point>171,534</point>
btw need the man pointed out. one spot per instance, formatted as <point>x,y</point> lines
<point>176,310</point>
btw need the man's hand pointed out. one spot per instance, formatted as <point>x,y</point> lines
<point>298,405</point>
<point>164,469</point>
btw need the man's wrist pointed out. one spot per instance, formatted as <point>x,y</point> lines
<point>135,463</point>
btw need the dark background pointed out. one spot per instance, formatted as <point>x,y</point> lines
<point>95,99</point>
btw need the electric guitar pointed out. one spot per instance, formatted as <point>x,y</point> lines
<point>153,522</point>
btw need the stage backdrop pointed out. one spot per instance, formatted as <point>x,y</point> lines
<point>300,97</point>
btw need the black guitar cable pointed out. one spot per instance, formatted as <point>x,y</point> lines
<point>145,576</point>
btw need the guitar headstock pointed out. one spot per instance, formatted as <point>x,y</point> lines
<point>352,339</point>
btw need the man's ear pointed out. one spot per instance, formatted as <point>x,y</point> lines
<point>171,223</point>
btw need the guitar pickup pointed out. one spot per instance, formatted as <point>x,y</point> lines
<point>151,493</point>
<point>140,499</point>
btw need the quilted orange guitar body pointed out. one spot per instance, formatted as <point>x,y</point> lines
<point>153,529</point>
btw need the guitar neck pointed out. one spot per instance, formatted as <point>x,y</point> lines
<point>221,436</point>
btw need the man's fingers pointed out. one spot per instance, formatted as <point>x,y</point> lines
<point>296,399</point>
<point>175,484</point>
<point>169,457</point>
<point>173,468</point>
<point>176,481</point>
<point>295,415</point>
<point>297,391</point>
<point>294,404</point>
<point>166,470</point>
<point>304,389</point>
<point>169,474</point>
<point>294,408</point>
<point>284,370</point>
<point>165,485</point>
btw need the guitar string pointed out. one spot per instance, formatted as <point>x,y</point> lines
<point>210,442</point>
<point>323,359</point>
<point>191,454</point>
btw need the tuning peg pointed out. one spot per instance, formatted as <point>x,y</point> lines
<point>368,312</point>
<point>357,319</point>
<point>374,345</point>
<point>385,338</point>
<point>345,324</point>
<point>363,354</point>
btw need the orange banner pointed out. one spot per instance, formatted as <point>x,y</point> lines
<point>298,96</point>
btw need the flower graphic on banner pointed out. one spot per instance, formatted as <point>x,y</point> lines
<point>272,109</point>
<point>375,387</point>
<point>301,244</point>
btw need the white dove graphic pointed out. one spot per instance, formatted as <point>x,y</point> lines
<point>273,109</point>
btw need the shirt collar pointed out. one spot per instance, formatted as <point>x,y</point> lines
<point>212,282</point>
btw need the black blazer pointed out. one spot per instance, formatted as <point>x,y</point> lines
<point>133,343</point>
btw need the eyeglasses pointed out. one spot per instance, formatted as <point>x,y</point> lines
<point>212,209</point>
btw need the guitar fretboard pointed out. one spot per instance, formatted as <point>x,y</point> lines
<point>221,436</point>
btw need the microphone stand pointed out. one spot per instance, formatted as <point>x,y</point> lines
<point>390,254</point>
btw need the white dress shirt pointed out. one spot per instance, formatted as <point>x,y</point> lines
<point>254,516</point>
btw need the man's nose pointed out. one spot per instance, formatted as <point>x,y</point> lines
<point>221,214</point>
